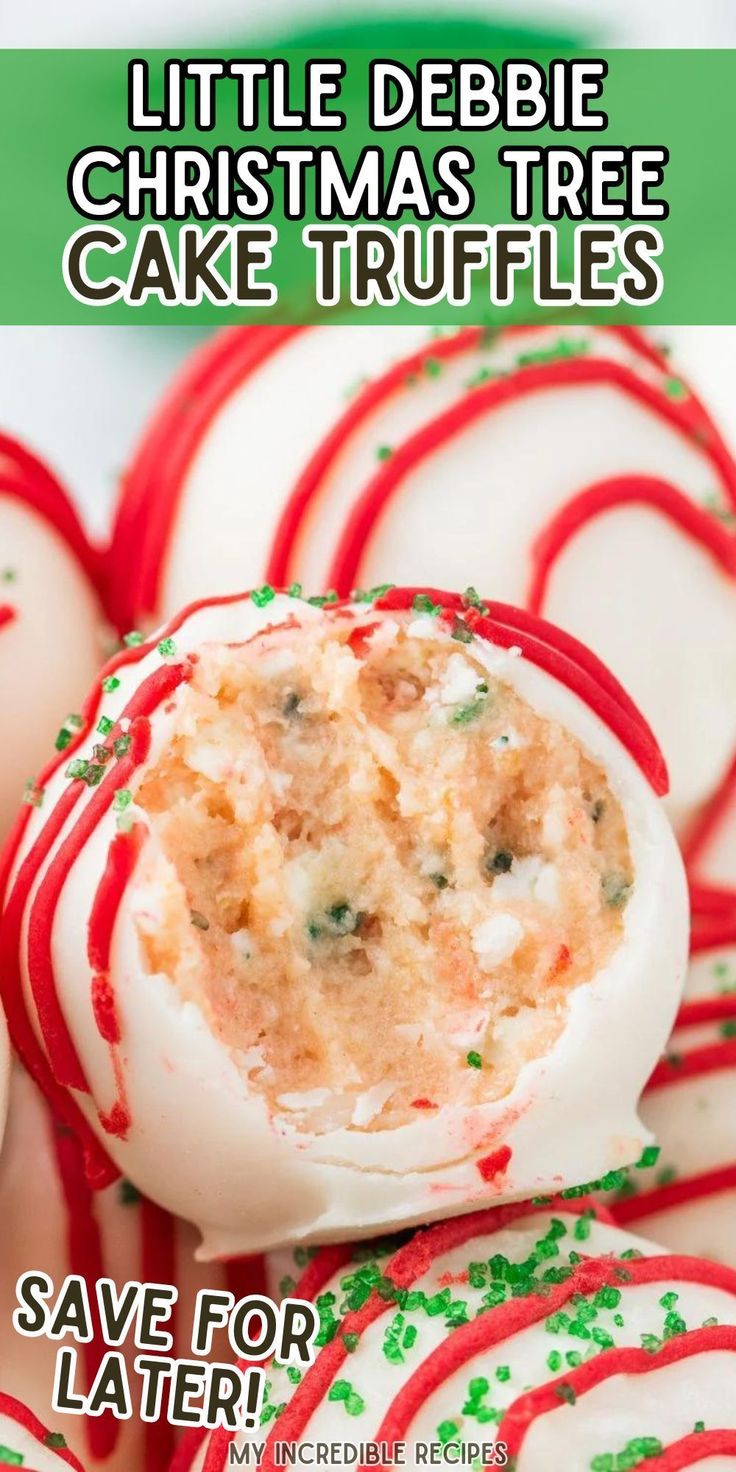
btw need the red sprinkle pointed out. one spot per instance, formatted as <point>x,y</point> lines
<point>495,1164</point>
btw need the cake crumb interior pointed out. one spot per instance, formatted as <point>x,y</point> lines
<point>376,870</point>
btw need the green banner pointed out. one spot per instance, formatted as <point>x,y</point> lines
<point>414,218</point>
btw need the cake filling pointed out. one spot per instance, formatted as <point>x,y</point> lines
<point>376,870</point>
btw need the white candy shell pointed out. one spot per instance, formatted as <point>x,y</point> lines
<point>447,468</point>
<point>50,621</point>
<point>607,1358</point>
<point>199,1142</point>
<point>688,1200</point>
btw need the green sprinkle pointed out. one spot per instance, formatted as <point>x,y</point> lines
<point>122,799</point>
<point>699,1426</point>
<point>55,1441</point>
<point>384,452</point>
<point>74,721</point>
<point>503,1373</point>
<point>8,575</point>
<point>499,861</point>
<point>340,919</point>
<point>293,1374</point>
<point>287,1286</point>
<point>94,774</point>
<point>371,595</point>
<point>447,1431</point>
<point>474,1060</point>
<point>32,794</point>
<point>616,890</point>
<point>166,648</point>
<point>351,1342</point>
<point>105,725</point>
<point>199,920</point>
<point>133,639</point>
<point>649,1156</point>
<point>110,684</point>
<point>128,1194</point>
<point>294,590</point>
<point>77,768</point>
<point>440,881</point>
<point>121,745</point>
<point>666,1176</point>
<point>422,603</point>
<point>432,367</point>
<point>675,388</point>
<point>554,1361</point>
<point>465,714</point>
<point>262,596</point>
<point>461,632</point>
<point>63,738</point>
<point>566,1392</point>
<point>10,1458</point>
<point>727,1029</point>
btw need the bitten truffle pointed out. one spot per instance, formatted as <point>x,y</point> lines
<point>371,895</point>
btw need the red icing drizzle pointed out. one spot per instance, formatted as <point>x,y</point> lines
<point>166,455</point>
<point>692,1063</point>
<point>407,1265</point>
<point>693,1449</point>
<point>677,1193</point>
<point>86,1260</point>
<point>20,1414</point>
<point>546,1399</point>
<point>7,615</point>
<point>512,1317</point>
<point>366,511</point>
<point>58,1067</point>
<point>371,398</point>
<point>562,657</point>
<point>158,1265</point>
<point>121,861</point>
<point>151,488</point>
<point>25,478</point>
<point>626,490</point>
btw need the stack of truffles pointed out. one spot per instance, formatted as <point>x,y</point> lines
<point>350,905</point>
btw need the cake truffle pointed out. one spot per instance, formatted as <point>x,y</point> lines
<point>570,470</point>
<point>538,1339</point>
<point>49,622</point>
<point>687,1199</point>
<point>339,914</point>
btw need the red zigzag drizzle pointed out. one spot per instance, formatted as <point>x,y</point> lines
<point>690,1063</point>
<point>20,1414</point>
<point>404,1269</point>
<point>154,486</point>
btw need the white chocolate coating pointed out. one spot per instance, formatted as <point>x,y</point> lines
<point>683,1374</point>
<point>202,1143</point>
<point>49,647</point>
<point>688,1200</point>
<point>471,509</point>
<point>27,1443</point>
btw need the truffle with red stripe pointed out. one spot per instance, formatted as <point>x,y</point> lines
<point>568,469</point>
<point>49,621</point>
<point>688,1199</point>
<point>52,1222</point>
<point>340,913</point>
<point>25,1442</point>
<point>563,1340</point>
